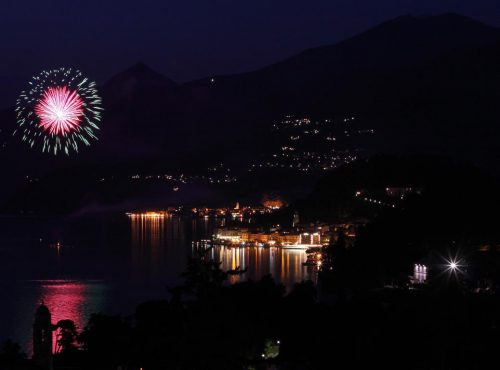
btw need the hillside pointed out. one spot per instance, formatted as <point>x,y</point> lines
<point>425,84</point>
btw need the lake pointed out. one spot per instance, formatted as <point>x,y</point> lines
<point>110,263</point>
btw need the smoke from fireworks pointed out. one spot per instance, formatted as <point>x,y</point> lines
<point>60,110</point>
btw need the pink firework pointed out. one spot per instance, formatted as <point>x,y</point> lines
<point>60,110</point>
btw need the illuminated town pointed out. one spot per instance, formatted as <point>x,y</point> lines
<point>250,185</point>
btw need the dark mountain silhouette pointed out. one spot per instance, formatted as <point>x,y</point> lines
<point>148,114</point>
<point>317,78</point>
<point>424,83</point>
<point>125,85</point>
<point>143,112</point>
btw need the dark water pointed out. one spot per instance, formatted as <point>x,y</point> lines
<point>110,263</point>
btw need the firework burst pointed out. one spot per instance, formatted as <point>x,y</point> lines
<point>60,110</point>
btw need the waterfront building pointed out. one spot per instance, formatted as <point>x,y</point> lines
<point>230,235</point>
<point>272,238</point>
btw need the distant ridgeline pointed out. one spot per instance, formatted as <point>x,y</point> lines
<point>422,85</point>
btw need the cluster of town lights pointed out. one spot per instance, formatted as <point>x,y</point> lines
<point>149,214</point>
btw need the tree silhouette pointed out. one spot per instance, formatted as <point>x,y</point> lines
<point>66,337</point>
<point>203,276</point>
<point>107,339</point>
<point>11,356</point>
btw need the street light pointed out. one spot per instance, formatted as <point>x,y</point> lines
<point>454,265</point>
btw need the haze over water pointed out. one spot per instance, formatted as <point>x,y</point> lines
<point>110,264</point>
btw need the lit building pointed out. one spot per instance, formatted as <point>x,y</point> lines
<point>273,238</point>
<point>230,235</point>
<point>275,203</point>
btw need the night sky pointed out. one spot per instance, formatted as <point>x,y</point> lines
<point>187,39</point>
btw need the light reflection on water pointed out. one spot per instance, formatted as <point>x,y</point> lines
<point>116,271</point>
<point>70,299</point>
<point>66,299</point>
<point>285,265</point>
<point>159,244</point>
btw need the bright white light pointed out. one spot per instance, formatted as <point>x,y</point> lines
<point>454,265</point>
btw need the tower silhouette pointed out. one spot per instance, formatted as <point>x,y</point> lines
<point>42,338</point>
